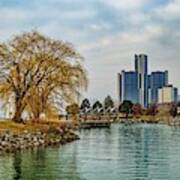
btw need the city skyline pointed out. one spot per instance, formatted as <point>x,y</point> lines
<point>144,87</point>
<point>106,33</point>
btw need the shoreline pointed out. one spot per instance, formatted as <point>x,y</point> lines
<point>18,137</point>
<point>11,141</point>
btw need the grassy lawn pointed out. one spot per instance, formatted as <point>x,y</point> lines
<point>32,126</point>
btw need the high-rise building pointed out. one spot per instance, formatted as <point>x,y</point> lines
<point>140,87</point>
<point>141,67</point>
<point>128,87</point>
<point>157,80</point>
<point>167,94</point>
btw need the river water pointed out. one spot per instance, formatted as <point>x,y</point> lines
<point>136,152</point>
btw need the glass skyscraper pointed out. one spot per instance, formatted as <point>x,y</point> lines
<point>157,80</point>
<point>140,87</point>
<point>141,68</point>
<point>128,86</point>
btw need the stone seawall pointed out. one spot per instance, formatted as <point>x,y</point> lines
<point>11,142</point>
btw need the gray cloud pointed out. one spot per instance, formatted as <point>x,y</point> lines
<point>107,33</point>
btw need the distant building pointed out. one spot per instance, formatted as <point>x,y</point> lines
<point>141,67</point>
<point>167,94</point>
<point>176,98</point>
<point>140,87</point>
<point>128,86</point>
<point>156,80</point>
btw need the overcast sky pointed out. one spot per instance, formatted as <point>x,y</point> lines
<point>106,32</point>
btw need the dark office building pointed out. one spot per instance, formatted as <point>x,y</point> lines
<point>157,80</point>
<point>128,86</point>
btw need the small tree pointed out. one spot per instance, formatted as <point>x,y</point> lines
<point>126,107</point>
<point>85,105</point>
<point>72,109</point>
<point>108,102</point>
<point>98,109</point>
<point>97,105</point>
<point>152,110</point>
<point>137,109</point>
<point>173,110</point>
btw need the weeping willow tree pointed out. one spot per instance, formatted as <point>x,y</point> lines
<point>36,71</point>
<point>48,98</point>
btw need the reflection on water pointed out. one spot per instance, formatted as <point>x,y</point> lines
<point>121,152</point>
<point>17,166</point>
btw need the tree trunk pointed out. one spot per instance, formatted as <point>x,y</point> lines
<point>36,114</point>
<point>127,115</point>
<point>17,116</point>
<point>18,111</point>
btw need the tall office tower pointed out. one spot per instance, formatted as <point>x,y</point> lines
<point>141,67</point>
<point>128,86</point>
<point>157,80</point>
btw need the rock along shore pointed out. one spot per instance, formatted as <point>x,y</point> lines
<point>11,142</point>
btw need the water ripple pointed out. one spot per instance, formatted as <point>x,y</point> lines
<point>138,152</point>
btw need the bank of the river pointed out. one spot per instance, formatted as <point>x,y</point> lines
<point>16,137</point>
<point>169,120</point>
<point>162,119</point>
